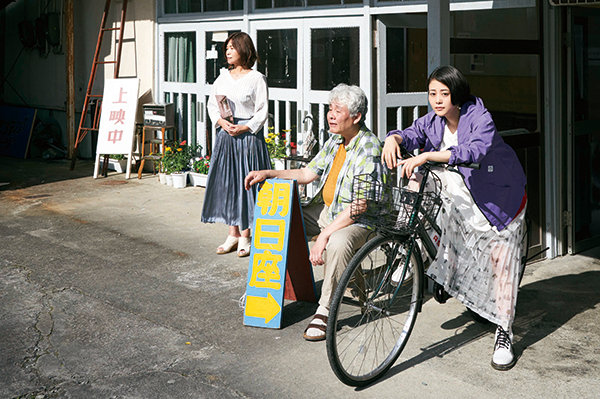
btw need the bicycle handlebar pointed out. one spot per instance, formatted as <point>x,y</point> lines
<point>470,165</point>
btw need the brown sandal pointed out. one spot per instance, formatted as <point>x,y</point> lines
<point>320,327</point>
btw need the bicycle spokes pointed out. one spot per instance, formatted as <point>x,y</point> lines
<point>370,318</point>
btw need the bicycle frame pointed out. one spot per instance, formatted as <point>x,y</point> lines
<point>418,232</point>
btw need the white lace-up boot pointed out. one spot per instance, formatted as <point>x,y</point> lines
<point>504,358</point>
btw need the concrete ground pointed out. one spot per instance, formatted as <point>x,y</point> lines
<point>112,289</point>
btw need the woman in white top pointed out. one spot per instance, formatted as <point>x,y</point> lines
<point>240,145</point>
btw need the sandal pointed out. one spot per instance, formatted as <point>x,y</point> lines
<point>244,246</point>
<point>321,327</point>
<point>230,244</point>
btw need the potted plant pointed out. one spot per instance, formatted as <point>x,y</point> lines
<point>199,172</point>
<point>277,148</point>
<point>175,162</point>
<point>116,162</point>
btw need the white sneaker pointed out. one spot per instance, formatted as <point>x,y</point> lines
<point>397,275</point>
<point>503,358</point>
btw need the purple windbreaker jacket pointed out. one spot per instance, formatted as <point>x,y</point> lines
<point>498,187</point>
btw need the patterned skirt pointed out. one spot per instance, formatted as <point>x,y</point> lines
<point>477,264</point>
<point>226,200</point>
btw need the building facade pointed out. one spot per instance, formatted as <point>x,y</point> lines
<point>533,62</point>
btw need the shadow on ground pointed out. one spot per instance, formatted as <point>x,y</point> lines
<point>543,307</point>
<point>298,311</point>
<point>23,173</point>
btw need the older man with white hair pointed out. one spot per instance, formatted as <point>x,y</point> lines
<point>351,150</point>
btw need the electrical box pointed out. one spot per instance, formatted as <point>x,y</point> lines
<point>159,114</point>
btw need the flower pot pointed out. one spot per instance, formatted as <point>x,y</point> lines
<point>198,179</point>
<point>162,178</point>
<point>119,166</point>
<point>279,164</point>
<point>179,179</point>
<point>169,179</point>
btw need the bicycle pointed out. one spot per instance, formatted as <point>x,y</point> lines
<point>379,295</point>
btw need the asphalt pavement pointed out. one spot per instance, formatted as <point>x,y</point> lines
<point>111,288</point>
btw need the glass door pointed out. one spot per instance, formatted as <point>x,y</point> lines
<point>585,122</point>
<point>401,72</point>
<point>303,59</point>
<point>279,44</point>
<point>335,51</point>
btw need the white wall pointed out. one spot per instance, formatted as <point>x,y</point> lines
<point>41,80</point>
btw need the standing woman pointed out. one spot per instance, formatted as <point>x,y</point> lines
<point>479,260</point>
<point>240,144</point>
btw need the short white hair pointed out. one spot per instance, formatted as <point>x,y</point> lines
<point>352,97</point>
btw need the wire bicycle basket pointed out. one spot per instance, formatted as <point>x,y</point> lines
<point>389,208</point>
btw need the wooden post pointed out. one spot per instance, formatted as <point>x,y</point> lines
<point>70,56</point>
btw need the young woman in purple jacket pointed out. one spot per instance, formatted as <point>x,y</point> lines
<point>483,215</point>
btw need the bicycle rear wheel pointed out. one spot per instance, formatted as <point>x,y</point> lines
<point>371,316</point>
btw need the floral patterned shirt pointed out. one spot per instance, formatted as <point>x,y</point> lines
<point>363,156</point>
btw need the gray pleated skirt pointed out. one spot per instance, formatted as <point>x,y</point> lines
<point>226,200</point>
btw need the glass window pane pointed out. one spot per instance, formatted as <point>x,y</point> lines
<point>215,58</point>
<point>216,5</point>
<point>263,3</point>
<point>288,3</point>
<point>322,2</point>
<point>507,83</point>
<point>416,60</point>
<point>207,131</point>
<point>183,129</point>
<point>497,52</point>
<point>396,67</point>
<point>334,57</point>
<point>277,53</point>
<point>279,3</point>
<point>509,23</point>
<point>170,6</point>
<point>180,57</point>
<point>189,6</point>
<point>194,117</point>
<point>331,2</point>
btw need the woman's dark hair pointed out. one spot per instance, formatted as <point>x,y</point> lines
<point>242,43</point>
<point>456,82</point>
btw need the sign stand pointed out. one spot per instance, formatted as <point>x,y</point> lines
<point>279,266</point>
<point>117,122</point>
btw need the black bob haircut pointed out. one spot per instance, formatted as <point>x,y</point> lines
<point>456,82</point>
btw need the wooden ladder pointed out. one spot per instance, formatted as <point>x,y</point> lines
<point>87,105</point>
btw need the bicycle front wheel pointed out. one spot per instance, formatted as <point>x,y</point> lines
<point>374,309</point>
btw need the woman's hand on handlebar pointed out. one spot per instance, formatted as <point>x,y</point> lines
<point>391,151</point>
<point>409,164</point>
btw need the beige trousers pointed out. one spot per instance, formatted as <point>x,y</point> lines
<point>340,249</point>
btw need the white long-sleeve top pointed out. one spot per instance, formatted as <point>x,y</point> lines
<point>248,98</point>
